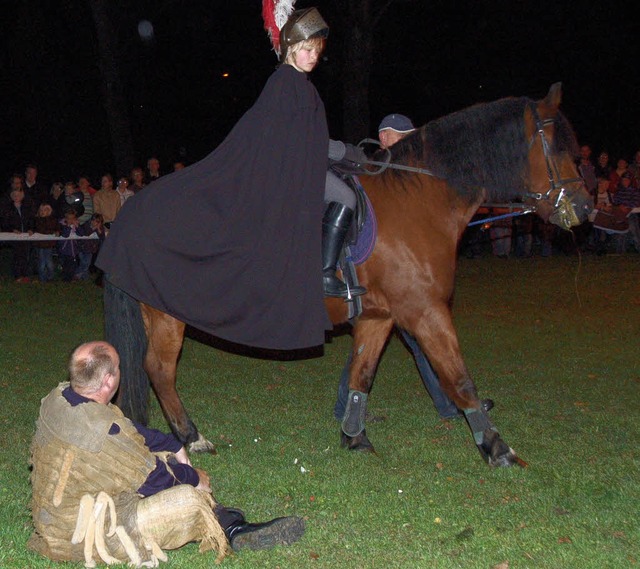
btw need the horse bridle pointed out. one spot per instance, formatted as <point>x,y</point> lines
<point>564,213</point>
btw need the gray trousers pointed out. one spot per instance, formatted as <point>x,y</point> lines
<point>335,190</point>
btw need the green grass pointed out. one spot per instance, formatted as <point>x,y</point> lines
<point>555,348</point>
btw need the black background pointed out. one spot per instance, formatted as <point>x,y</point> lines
<point>431,58</point>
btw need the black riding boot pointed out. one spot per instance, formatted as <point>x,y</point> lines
<point>335,224</point>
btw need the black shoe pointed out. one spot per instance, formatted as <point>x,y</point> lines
<point>281,531</point>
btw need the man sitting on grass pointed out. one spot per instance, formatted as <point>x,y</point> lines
<point>108,489</point>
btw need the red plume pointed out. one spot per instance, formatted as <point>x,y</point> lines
<point>275,14</point>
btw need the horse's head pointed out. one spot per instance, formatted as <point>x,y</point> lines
<point>556,186</point>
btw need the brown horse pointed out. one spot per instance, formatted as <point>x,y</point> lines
<point>511,148</point>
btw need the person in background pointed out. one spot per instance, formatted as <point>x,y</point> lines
<point>46,224</point>
<point>84,186</point>
<point>89,248</point>
<point>523,229</point>
<point>627,196</point>
<point>602,202</point>
<point>69,250</point>
<point>17,215</point>
<point>73,199</point>
<point>137,180</point>
<point>56,199</point>
<point>153,170</point>
<point>587,169</point>
<point>500,234</point>
<point>394,128</point>
<point>35,191</point>
<point>106,201</point>
<point>602,166</point>
<point>622,166</point>
<point>123,191</point>
<point>634,167</point>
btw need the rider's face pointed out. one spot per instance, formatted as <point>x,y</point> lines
<point>306,59</point>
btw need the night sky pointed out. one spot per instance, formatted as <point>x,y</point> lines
<point>431,58</point>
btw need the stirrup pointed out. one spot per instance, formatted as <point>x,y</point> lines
<point>333,287</point>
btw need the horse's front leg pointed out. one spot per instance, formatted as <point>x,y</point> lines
<point>437,337</point>
<point>369,337</point>
<point>165,335</point>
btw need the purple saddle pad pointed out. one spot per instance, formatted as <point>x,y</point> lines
<point>363,247</point>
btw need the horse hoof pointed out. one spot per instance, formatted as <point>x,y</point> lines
<point>498,453</point>
<point>505,459</point>
<point>202,445</point>
<point>359,442</point>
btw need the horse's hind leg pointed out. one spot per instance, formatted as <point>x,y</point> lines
<point>165,335</point>
<point>370,336</point>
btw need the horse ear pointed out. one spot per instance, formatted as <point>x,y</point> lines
<point>554,96</point>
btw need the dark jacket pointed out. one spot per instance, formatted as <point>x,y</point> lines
<point>70,248</point>
<point>47,226</point>
<point>91,245</point>
<point>12,219</point>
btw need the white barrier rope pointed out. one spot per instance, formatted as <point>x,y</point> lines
<point>8,236</point>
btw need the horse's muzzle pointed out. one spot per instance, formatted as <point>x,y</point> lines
<point>582,204</point>
<point>571,210</point>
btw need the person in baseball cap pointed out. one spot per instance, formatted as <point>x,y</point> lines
<point>393,128</point>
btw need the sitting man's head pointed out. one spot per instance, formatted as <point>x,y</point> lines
<point>393,128</point>
<point>94,371</point>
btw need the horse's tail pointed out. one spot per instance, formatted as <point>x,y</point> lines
<point>124,330</point>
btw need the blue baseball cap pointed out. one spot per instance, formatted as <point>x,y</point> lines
<point>396,122</point>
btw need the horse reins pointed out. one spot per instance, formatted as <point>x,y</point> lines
<point>525,211</point>
<point>383,165</point>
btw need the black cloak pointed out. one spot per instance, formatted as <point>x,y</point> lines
<point>232,244</point>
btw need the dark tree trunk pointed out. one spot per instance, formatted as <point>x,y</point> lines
<point>358,51</point>
<point>113,93</point>
<point>359,19</point>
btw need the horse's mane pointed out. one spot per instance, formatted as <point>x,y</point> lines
<point>483,146</point>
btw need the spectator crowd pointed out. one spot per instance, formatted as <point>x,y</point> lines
<point>80,216</point>
<point>57,230</point>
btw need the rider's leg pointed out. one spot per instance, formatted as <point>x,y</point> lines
<point>335,225</point>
